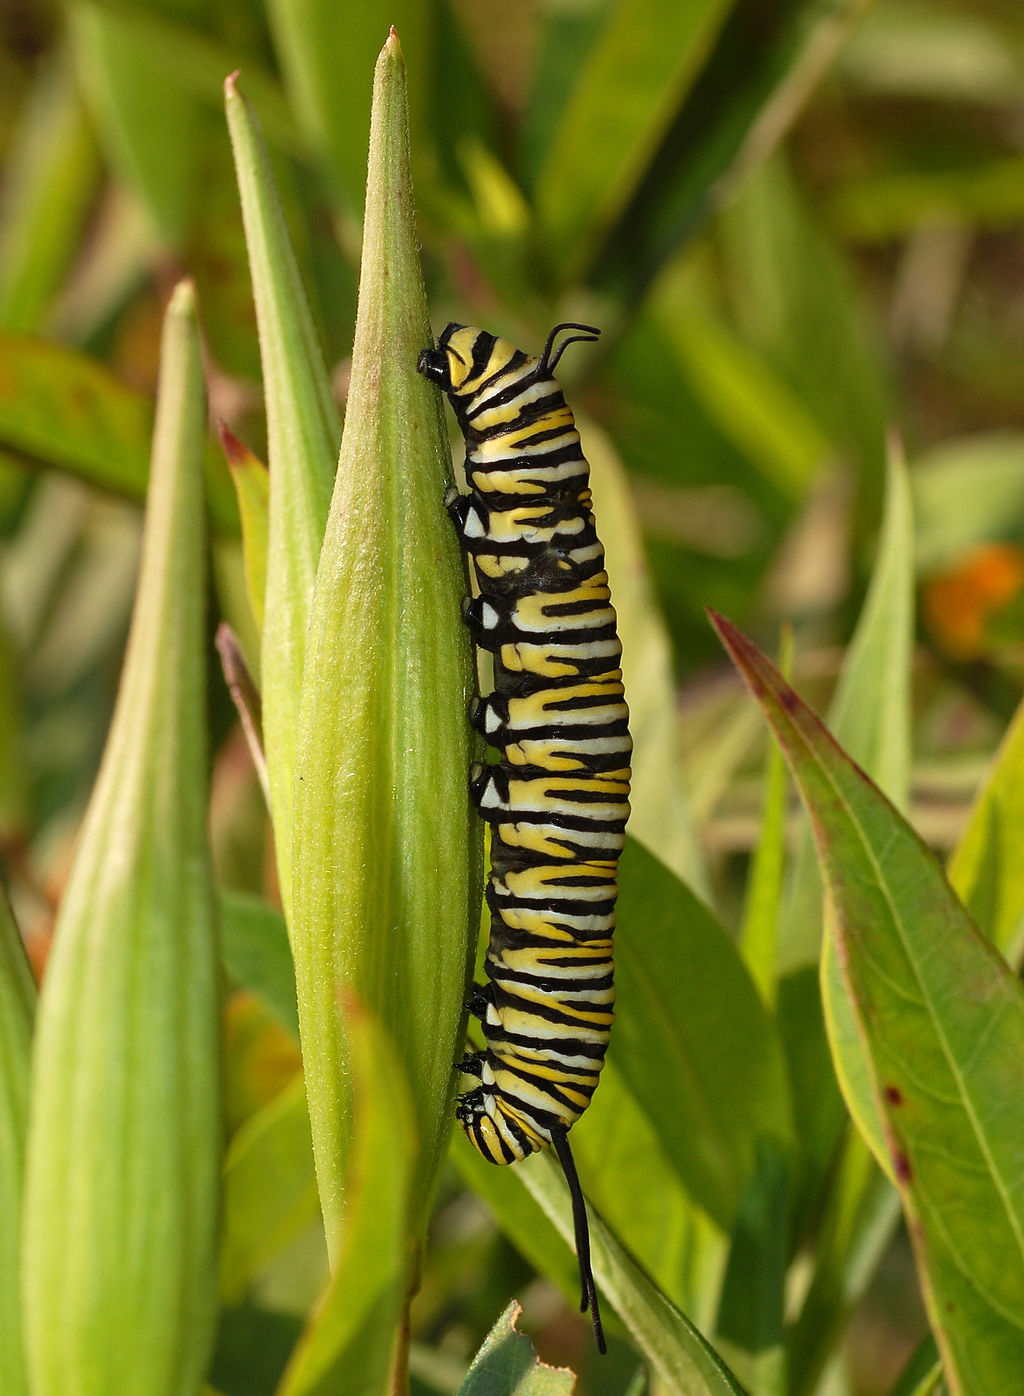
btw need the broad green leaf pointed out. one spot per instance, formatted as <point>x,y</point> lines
<point>150,125</point>
<point>630,1180</point>
<point>252,485</point>
<point>122,1179</point>
<point>17,1011</point>
<point>60,408</point>
<point>50,180</point>
<point>985,866</point>
<point>507,1363</point>
<point>749,1326</point>
<point>269,1190</point>
<point>636,75</point>
<point>967,491</point>
<point>660,815</point>
<point>942,1019</point>
<point>351,1341</point>
<point>870,715</point>
<point>303,430</point>
<point>681,1354</point>
<point>691,1029</point>
<point>386,844</point>
<point>519,1216</point>
<point>254,944</point>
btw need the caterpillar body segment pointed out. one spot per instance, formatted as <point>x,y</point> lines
<point>558,798</point>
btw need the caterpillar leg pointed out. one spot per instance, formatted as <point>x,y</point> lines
<point>480,1000</point>
<point>472,1064</point>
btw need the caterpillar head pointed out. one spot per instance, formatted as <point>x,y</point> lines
<point>449,364</point>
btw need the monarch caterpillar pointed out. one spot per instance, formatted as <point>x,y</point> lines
<point>557,801</point>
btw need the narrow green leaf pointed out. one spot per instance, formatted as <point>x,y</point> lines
<point>326,66</point>
<point>751,404</point>
<point>759,933</point>
<point>681,1354</point>
<point>352,1342</point>
<point>124,1144</point>
<point>386,844</point>
<point>985,866</point>
<point>150,125</point>
<point>701,1039</point>
<point>943,1022</point>
<point>507,1362</point>
<point>254,943</point>
<point>636,75</point>
<point>269,1190</point>
<point>17,1011</point>
<point>725,129</point>
<point>252,485</point>
<point>303,429</point>
<point>59,407</point>
<point>50,180</point>
<point>797,303</point>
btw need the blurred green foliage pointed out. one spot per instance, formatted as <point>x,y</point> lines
<point>800,227</point>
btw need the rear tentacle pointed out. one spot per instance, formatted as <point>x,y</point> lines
<point>560,1140</point>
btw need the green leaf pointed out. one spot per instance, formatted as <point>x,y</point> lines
<point>326,65</point>
<point>985,866</point>
<point>681,1354</point>
<point>148,122</point>
<point>252,485</point>
<point>749,1325</point>
<point>50,181</point>
<point>765,64</point>
<point>967,491</point>
<point>303,430</point>
<point>635,77</point>
<point>870,715</point>
<point>759,933</point>
<point>270,1193</point>
<point>17,1011</point>
<point>123,1168</point>
<point>699,1038</point>
<point>796,302</point>
<point>350,1343</point>
<point>254,943</point>
<point>386,843</point>
<point>942,1019</point>
<point>507,1363</point>
<point>60,408</point>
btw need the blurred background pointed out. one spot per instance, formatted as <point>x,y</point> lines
<point>801,227</point>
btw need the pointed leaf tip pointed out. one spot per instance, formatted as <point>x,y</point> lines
<point>231,83</point>
<point>183,298</point>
